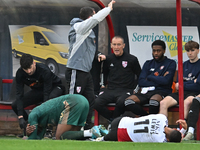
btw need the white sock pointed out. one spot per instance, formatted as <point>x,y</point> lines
<point>87,133</point>
<point>191,130</point>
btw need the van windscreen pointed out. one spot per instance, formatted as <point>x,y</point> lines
<point>53,37</point>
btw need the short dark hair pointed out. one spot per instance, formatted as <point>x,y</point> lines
<point>118,36</point>
<point>191,44</point>
<point>175,136</point>
<point>26,61</point>
<point>86,12</point>
<point>159,42</point>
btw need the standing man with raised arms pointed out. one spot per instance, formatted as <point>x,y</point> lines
<point>82,50</point>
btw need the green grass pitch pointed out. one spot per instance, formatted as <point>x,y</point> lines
<point>18,144</point>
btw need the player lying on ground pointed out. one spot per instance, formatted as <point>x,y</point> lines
<point>151,128</point>
<point>68,112</point>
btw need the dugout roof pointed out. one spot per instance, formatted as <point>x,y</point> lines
<point>80,3</point>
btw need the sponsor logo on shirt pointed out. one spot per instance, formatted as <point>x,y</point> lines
<point>111,65</point>
<point>124,64</point>
<point>152,69</point>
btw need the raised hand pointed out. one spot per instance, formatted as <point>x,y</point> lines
<point>111,4</point>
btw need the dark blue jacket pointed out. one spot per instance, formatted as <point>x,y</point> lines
<point>191,71</point>
<point>153,74</point>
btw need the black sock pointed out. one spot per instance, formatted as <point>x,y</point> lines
<point>154,106</point>
<point>73,135</point>
<point>193,113</point>
<point>134,108</point>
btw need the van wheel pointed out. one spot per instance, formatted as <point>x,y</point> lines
<point>53,66</point>
<point>15,54</point>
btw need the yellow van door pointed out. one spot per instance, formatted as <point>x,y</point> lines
<point>45,52</point>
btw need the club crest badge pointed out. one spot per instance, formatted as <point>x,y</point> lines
<point>189,75</point>
<point>124,64</point>
<point>162,67</point>
<point>101,92</point>
<point>78,89</point>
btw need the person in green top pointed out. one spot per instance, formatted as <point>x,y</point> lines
<point>68,112</point>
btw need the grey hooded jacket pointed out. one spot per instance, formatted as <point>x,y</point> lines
<point>81,40</point>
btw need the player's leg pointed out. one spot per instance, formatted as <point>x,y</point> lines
<point>73,116</point>
<point>88,93</point>
<point>77,117</point>
<point>61,128</point>
<point>193,118</point>
<point>77,134</point>
<point>105,97</point>
<point>112,135</point>
<point>57,91</point>
<point>95,72</point>
<point>70,77</point>
<point>133,104</point>
<point>69,132</point>
<point>79,82</point>
<point>154,103</point>
<point>187,104</point>
<point>73,135</point>
<point>66,125</point>
<point>167,102</point>
<point>76,81</point>
<point>120,107</point>
<point>94,132</point>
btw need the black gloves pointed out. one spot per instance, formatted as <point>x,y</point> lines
<point>22,123</point>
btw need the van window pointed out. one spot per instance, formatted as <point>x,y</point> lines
<point>53,37</point>
<point>37,37</point>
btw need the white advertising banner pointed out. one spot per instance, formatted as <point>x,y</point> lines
<point>141,38</point>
